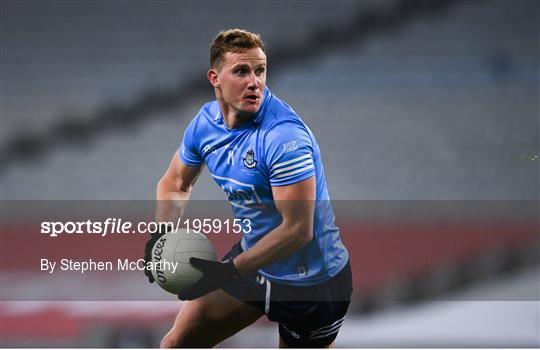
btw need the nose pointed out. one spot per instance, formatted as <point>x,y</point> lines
<point>253,82</point>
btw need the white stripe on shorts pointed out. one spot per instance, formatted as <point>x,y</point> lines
<point>325,328</point>
<point>267,299</point>
<point>326,333</point>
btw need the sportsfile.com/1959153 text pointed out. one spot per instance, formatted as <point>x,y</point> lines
<point>120,226</point>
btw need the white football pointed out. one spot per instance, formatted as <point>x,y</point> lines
<point>171,254</point>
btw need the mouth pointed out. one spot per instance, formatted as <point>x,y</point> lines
<point>252,98</point>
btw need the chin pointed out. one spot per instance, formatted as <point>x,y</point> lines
<point>250,109</point>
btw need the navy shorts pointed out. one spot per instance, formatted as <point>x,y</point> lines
<point>308,317</point>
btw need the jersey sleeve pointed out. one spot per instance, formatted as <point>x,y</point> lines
<point>289,156</point>
<point>189,152</point>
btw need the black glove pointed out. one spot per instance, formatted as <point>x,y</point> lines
<point>162,229</point>
<point>215,274</point>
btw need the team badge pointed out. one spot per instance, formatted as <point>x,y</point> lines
<point>249,161</point>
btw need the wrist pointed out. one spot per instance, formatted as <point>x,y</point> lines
<point>232,270</point>
<point>239,266</point>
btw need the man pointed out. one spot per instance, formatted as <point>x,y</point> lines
<point>290,264</point>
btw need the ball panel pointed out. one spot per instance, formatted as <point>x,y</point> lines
<point>179,247</point>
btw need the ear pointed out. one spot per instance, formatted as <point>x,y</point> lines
<point>213,77</point>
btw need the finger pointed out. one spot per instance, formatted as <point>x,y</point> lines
<point>201,264</point>
<point>189,293</point>
<point>156,235</point>
<point>185,295</point>
<point>148,274</point>
<point>150,245</point>
<point>194,293</point>
<point>200,288</point>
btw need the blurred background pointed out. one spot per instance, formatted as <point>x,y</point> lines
<point>416,103</point>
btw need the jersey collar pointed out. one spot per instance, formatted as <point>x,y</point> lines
<point>259,116</point>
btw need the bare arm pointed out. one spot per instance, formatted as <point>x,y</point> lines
<point>296,204</point>
<point>174,189</point>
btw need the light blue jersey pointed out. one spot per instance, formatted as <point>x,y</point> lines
<point>275,148</point>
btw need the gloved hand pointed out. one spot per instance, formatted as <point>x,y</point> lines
<point>162,229</point>
<point>215,274</point>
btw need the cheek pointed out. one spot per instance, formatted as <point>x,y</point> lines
<point>231,92</point>
<point>236,89</point>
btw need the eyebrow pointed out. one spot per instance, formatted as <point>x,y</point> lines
<point>244,65</point>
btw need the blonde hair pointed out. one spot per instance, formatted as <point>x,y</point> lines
<point>233,40</point>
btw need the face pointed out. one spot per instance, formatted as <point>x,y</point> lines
<point>240,80</point>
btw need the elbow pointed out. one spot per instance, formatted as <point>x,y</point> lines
<point>160,184</point>
<point>169,190</point>
<point>162,188</point>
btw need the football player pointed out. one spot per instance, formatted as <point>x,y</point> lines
<point>291,264</point>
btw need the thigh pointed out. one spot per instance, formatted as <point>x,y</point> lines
<point>317,327</point>
<point>315,320</point>
<point>207,321</point>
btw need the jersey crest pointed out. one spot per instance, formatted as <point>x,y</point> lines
<point>249,160</point>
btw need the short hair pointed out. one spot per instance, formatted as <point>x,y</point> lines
<point>233,40</point>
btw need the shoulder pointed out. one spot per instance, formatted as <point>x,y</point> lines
<point>281,120</point>
<point>198,128</point>
<point>287,145</point>
<point>206,114</point>
<point>201,124</point>
<point>284,131</point>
